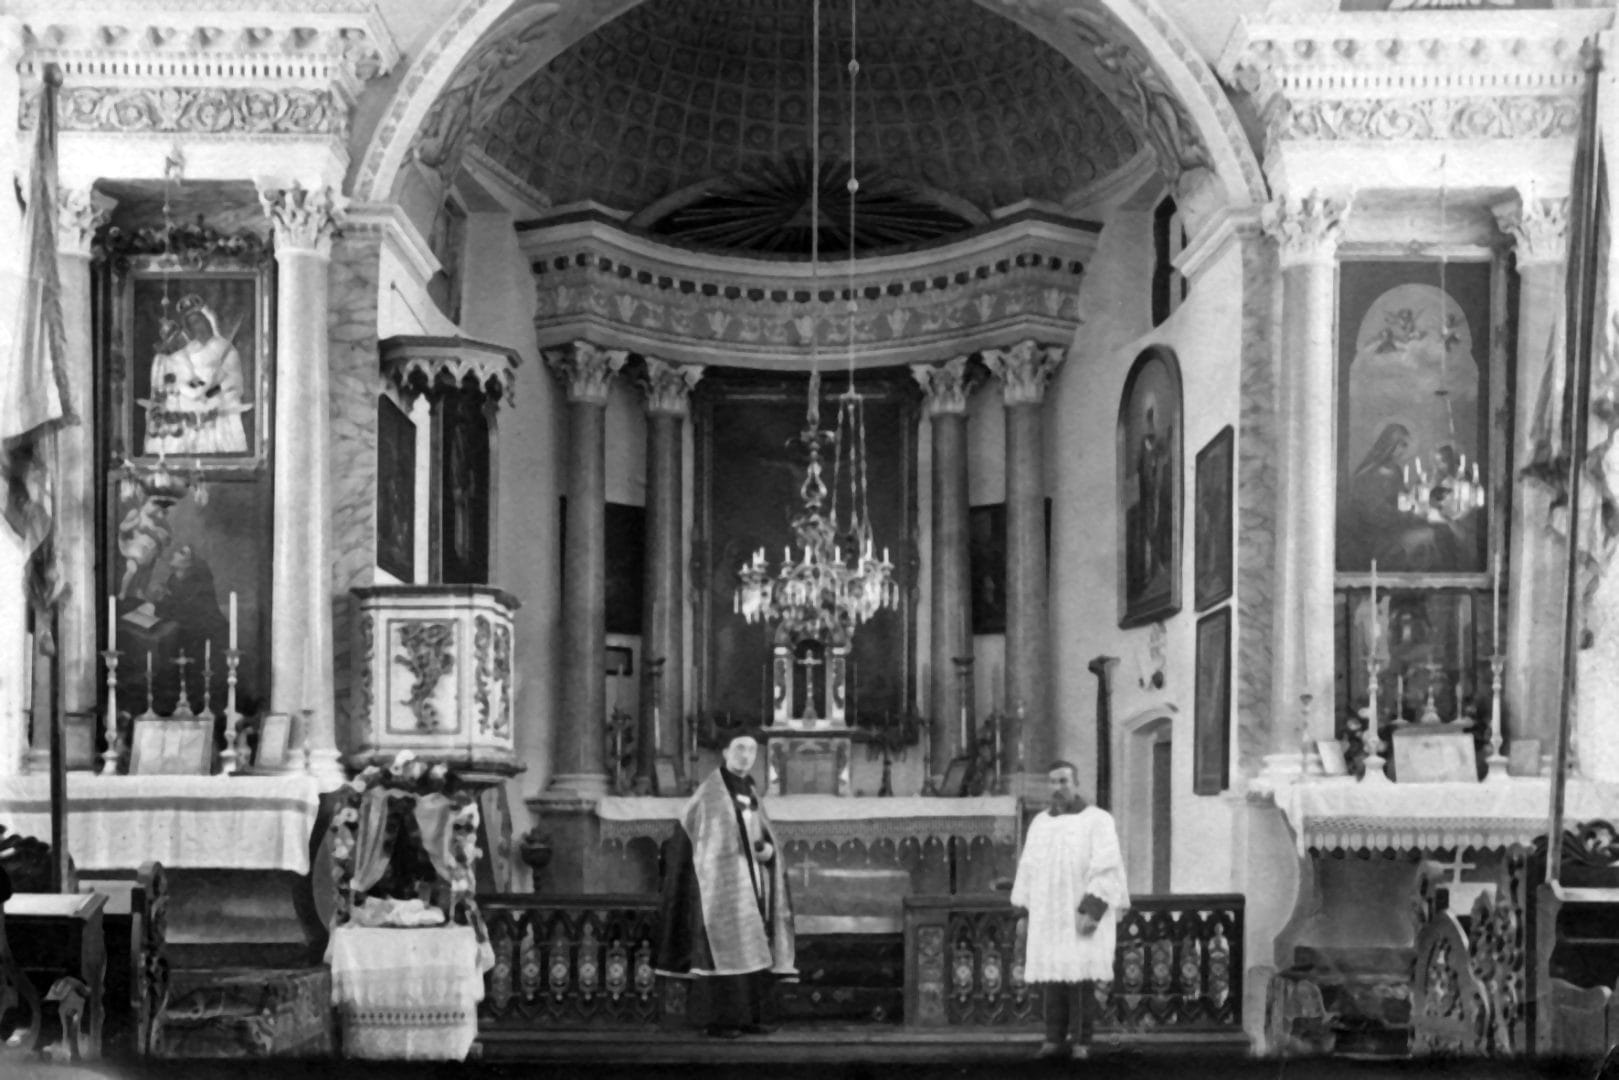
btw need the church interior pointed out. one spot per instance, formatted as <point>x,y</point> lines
<point>435,428</point>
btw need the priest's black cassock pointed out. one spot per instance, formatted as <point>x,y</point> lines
<point>727,915</point>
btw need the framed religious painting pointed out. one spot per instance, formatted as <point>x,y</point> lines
<point>1148,447</point>
<point>396,490</point>
<point>986,564</point>
<point>192,359</point>
<point>1211,715</point>
<point>1415,357</point>
<point>1212,564</point>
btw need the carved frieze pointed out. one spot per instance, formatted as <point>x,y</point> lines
<point>1505,117</point>
<point>197,110</point>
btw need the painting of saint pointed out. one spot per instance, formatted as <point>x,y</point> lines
<point>1149,448</point>
<point>194,365</point>
<point>1412,424</point>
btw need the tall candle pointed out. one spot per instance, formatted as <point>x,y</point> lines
<point>1495,609</point>
<point>233,618</point>
<point>112,622</point>
<point>1375,612</point>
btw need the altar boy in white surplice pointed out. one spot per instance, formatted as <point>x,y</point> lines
<point>1070,879</point>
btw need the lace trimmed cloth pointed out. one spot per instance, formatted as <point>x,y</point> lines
<point>812,818</point>
<point>1352,815</point>
<point>407,994</point>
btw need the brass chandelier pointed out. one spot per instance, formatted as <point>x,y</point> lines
<point>834,582</point>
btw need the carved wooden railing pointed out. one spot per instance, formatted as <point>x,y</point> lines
<point>149,961</point>
<point>1178,965</point>
<point>569,962</point>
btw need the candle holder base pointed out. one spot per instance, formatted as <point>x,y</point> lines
<point>1497,764</point>
<point>1374,773</point>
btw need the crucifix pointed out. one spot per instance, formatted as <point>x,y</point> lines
<point>1430,711</point>
<point>182,704</point>
<point>809,663</point>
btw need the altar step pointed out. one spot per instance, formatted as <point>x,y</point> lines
<point>837,1042</point>
<point>847,977</point>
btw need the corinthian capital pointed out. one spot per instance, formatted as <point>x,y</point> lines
<point>946,386</point>
<point>1538,227</point>
<point>304,218</point>
<point>1306,229</point>
<point>80,212</point>
<point>668,386</point>
<point>1024,369</point>
<point>586,370</point>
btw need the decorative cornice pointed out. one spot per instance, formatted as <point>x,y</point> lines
<point>80,212</point>
<point>596,281</point>
<point>586,370</point>
<point>304,218</point>
<point>1538,227</point>
<point>1306,230</point>
<point>430,365</point>
<point>193,110</point>
<point>1413,74</point>
<point>398,231</point>
<point>668,386</point>
<point>340,44</point>
<point>1024,370</point>
<point>946,385</point>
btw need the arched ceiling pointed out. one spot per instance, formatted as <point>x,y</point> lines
<point>957,108</point>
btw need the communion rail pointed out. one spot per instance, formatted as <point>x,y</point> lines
<point>569,963</point>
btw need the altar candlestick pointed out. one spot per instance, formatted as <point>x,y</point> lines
<point>1495,608</point>
<point>233,618</point>
<point>657,734</point>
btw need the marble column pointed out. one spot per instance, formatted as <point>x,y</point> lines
<point>301,660</point>
<point>586,371</point>
<point>79,213</point>
<point>1024,371</point>
<point>946,386</point>
<point>1534,595</point>
<point>668,403</point>
<point>1307,232</point>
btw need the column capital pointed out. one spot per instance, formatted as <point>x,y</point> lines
<point>80,212</point>
<point>668,386</point>
<point>1024,370</point>
<point>1538,227</point>
<point>586,369</point>
<point>1306,229</point>
<point>946,385</point>
<point>304,218</point>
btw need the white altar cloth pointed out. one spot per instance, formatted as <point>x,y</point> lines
<point>831,817</point>
<point>1342,812</point>
<point>219,822</point>
<point>406,993</point>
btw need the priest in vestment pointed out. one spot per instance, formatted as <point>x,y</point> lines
<point>726,914</point>
<point>1070,879</point>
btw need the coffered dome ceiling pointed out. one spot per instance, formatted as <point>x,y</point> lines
<point>693,117</point>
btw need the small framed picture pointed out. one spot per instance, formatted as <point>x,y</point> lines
<point>275,739</point>
<point>170,747</point>
<point>1523,757</point>
<point>955,777</point>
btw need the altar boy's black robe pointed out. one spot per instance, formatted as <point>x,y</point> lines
<point>725,915</point>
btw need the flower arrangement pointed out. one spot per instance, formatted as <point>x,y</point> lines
<point>405,833</point>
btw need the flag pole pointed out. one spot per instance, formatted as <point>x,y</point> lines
<point>1581,302</point>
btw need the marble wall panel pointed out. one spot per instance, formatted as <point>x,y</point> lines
<point>1258,432</point>
<point>356,381</point>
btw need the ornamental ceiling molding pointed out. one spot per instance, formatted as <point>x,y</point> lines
<point>429,365</point>
<point>596,282</point>
<point>1413,75</point>
<point>249,68</point>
